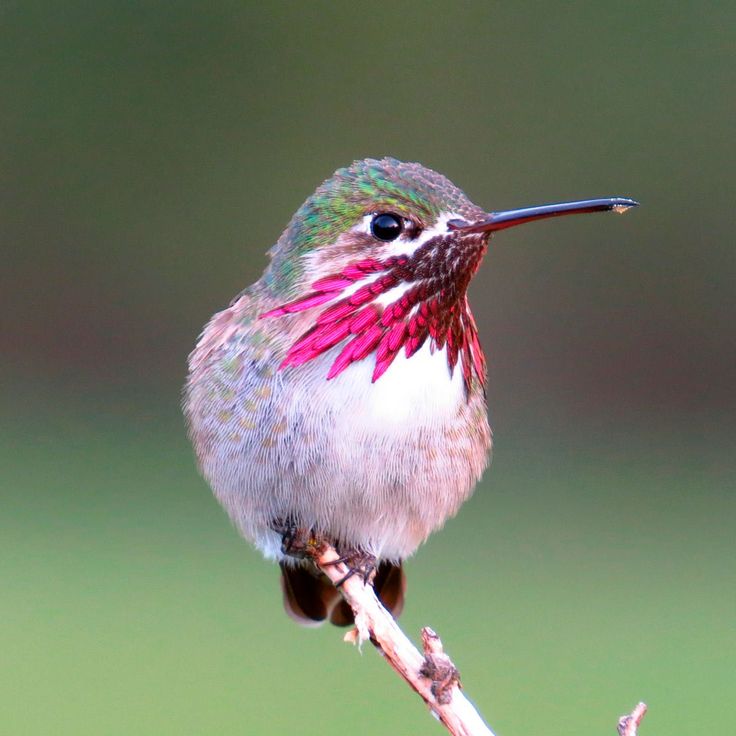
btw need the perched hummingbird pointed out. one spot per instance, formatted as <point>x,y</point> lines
<point>341,397</point>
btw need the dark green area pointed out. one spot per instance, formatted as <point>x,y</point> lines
<point>149,156</point>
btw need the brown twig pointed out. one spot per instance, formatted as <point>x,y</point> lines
<point>432,675</point>
<point>628,725</point>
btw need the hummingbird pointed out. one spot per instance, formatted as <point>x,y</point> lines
<point>341,397</point>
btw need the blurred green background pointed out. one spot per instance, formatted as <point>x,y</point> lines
<point>151,152</point>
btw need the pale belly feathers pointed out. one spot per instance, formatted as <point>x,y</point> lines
<point>375,465</point>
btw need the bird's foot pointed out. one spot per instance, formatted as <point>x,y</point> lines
<point>296,541</point>
<point>358,562</point>
<point>303,543</point>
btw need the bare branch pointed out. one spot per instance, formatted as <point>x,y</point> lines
<point>628,725</point>
<point>432,675</point>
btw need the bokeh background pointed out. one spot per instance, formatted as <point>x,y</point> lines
<point>151,152</point>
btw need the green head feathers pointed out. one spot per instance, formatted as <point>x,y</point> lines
<point>354,191</point>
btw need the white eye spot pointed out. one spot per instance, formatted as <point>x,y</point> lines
<point>409,240</point>
<point>364,226</point>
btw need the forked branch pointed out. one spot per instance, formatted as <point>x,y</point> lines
<point>431,675</point>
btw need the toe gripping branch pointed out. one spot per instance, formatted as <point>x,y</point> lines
<point>302,543</point>
<point>358,562</point>
<point>297,541</point>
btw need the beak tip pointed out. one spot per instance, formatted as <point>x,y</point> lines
<point>620,205</point>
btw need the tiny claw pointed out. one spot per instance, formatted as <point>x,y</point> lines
<point>358,563</point>
<point>345,578</point>
<point>296,541</point>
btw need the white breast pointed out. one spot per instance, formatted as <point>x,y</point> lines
<point>416,391</point>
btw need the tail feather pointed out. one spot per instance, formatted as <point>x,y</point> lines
<point>342,614</point>
<point>310,598</point>
<point>390,586</point>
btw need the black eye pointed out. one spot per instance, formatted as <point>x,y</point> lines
<point>386,227</point>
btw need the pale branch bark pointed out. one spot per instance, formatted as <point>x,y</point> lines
<point>432,675</point>
<point>628,725</point>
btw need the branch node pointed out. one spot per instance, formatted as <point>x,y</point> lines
<point>433,676</point>
<point>438,667</point>
<point>362,627</point>
<point>352,637</point>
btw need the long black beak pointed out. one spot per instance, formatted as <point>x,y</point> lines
<point>510,218</point>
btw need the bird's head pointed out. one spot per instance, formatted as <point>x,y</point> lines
<point>382,254</point>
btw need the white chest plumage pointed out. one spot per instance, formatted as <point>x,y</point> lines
<point>414,392</point>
